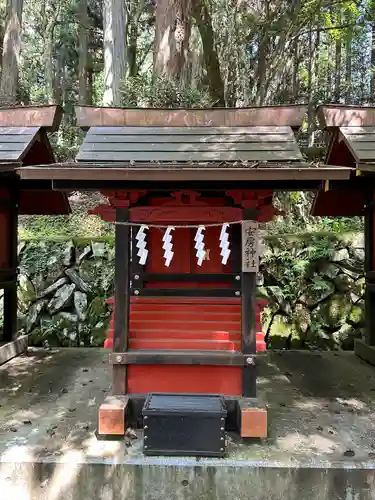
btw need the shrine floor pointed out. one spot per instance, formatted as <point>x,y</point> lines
<point>321,435</point>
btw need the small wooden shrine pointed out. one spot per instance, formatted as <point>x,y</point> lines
<point>23,141</point>
<point>186,190</point>
<point>350,132</point>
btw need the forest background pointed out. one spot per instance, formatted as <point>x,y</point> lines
<point>202,53</point>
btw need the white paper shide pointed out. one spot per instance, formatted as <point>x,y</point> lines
<point>141,245</point>
<point>168,245</point>
<point>199,245</point>
<point>224,244</point>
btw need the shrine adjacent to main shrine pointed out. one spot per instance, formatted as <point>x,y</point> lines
<point>350,133</point>
<point>23,141</point>
<point>186,190</point>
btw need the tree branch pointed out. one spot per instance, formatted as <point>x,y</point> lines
<point>330,28</point>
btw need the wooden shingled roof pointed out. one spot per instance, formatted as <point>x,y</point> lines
<point>189,145</point>
<point>351,133</point>
<point>361,142</point>
<point>24,128</point>
<point>24,142</point>
<point>199,136</point>
<point>15,142</point>
<point>350,136</point>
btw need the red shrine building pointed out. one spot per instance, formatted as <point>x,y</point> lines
<point>23,141</point>
<point>187,190</point>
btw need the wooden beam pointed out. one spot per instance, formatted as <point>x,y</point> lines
<point>9,166</point>
<point>48,117</point>
<point>366,167</point>
<point>112,414</point>
<point>88,116</point>
<point>165,186</point>
<point>10,291</point>
<point>122,293</point>
<point>168,173</point>
<point>345,116</point>
<point>252,419</point>
<point>369,267</point>
<point>248,322</point>
<point>203,277</point>
<point>188,292</point>
<point>201,358</point>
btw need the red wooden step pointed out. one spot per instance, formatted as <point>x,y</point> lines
<point>185,300</point>
<point>184,334</point>
<point>201,345</point>
<point>192,324</point>
<point>165,315</point>
<point>185,308</point>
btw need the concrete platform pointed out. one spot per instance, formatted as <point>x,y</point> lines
<point>321,438</point>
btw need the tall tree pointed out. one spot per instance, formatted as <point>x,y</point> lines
<point>115,20</point>
<point>211,60</point>
<point>11,52</point>
<point>372,20</point>
<point>50,20</point>
<point>83,58</point>
<point>172,36</point>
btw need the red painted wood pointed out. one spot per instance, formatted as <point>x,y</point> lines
<point>104,211</point>
<point>200,345</point>
<point>184,300</point>
<point>194,323</point>
<point>43,202</point>
<point>185,215</point>
<point>226,380</point>
<point>179,323</point>
<point>187,284</point>
<point>173,315</point>
<point>260,343</point>
<point>213,265</point>
<point>4,240</point>
<point>180,262</point>
<point>157,326</point>
<point>340,154</point>
<point>187,335</point>
<point>186,198</point>
<point>4,232</point>
<point>123,199</point>
<point>338,203</point>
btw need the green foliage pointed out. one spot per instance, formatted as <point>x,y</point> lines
<point>315,288</point>
<point>160,92</point>
<point>77,226</point>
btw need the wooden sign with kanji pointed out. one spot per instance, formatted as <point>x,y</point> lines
<point>250,247</point>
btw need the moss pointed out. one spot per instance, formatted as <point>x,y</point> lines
<point>356,315</point>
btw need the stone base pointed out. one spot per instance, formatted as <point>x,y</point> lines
<point>313,451</point>
<point>112,417</point>
<point>365,351</point>
<point>12,349</point>
<point>252,419</point>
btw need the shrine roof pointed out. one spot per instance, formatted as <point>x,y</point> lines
<point>360,141</point>
<point>351,135</point>
<point>189,144</point>
<point>24,141</point>
<point>245,144</point>
<point>15,142</point>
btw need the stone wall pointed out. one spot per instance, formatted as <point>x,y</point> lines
<point>62,291</point>
<point>315,289</point>
<point>314,285</point>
